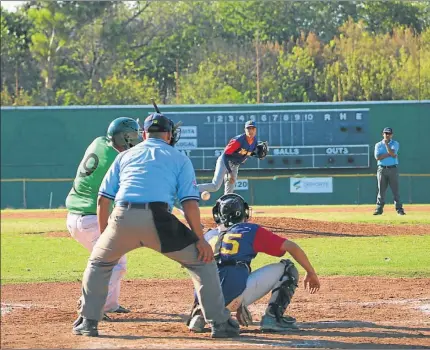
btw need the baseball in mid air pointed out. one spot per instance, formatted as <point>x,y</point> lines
<point>205,195</point>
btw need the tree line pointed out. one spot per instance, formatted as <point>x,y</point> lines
<point>210,52</point>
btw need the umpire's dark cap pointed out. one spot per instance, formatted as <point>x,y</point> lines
<point>157,122</point>
<point>250,124</point>
<point>388,130</point>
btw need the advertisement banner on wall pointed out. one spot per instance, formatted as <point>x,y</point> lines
<point>311,185</point>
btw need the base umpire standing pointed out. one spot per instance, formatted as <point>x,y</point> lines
<point>144,182</point>
<point>386,153</point>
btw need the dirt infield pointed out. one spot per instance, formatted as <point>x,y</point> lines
<point>55,214</point>
<point>348,312</point>
<point>299,228</point>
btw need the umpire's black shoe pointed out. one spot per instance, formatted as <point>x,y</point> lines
<point>378,212</point>
<point>401,211</point>
<point>85,327</point>
<point>228,329</point>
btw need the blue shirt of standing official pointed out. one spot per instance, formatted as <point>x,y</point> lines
<point>386,154</point>
<point>387,149</point>
<point>144,184</point>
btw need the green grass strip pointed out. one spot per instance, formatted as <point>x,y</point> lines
<point>37,258</point>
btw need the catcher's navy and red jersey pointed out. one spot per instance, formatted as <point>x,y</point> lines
<point>239,149</point>
<point>240,244</point>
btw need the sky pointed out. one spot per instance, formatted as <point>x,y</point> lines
<point>11,5</point>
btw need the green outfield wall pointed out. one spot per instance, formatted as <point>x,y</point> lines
<point>41,148</point>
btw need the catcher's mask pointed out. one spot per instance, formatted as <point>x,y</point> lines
<point>157,122</point>
<point>124,132</point>
<point>230,209</point>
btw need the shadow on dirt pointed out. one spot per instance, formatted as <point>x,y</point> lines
<point>151,317</point>
<point>312,329</point>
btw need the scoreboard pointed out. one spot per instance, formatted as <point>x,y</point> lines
<point>298,139</point>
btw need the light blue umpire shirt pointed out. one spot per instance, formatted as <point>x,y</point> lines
<point>152,171</point>
<point>381,149</point>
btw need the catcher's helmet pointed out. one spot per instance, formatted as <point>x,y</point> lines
<point>157,122</point>
<point>230,209</point>
<point>124,132</point>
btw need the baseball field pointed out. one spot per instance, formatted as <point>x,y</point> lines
<point>374,273</point>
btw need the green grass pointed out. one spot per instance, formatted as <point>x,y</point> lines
<point>32,225</point>
<point>29,256</point>
<point>37,258</point>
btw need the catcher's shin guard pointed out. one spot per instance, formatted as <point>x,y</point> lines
<point>284,290</point>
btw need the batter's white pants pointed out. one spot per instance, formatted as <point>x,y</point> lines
<point>260,282</point>
<point>85,230</point>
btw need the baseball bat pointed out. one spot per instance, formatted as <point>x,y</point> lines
<point>177,125</point>
<point>155,106</point>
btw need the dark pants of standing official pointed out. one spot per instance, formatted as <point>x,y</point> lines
<point>388,176</point>
<point>151,226</point>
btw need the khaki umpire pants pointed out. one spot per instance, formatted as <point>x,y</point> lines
<point>129,229</point>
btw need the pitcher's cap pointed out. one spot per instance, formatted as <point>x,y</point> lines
<point>250,124</point>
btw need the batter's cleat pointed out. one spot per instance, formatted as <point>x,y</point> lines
<point>228,329</point>
<point>120,310</point>
<point>85,327</point>
<point>197,324</point>
<point>378,212</point>
<point>269,324</point>
<point>401,211</point>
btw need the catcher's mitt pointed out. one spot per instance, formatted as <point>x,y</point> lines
<point>261,150</point>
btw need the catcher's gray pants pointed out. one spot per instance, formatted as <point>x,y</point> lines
<point>388,176</point>
<point>129,229</point>
<point>260,282</point>
<point>221,174</point>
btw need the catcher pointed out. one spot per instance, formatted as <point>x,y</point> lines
<point>236,243</point>
<point>238,150</point>
<point>81,202</point>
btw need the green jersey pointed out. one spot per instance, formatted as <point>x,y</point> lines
<point>99,156</point>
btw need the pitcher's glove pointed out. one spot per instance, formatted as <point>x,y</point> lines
<point>261,150</point>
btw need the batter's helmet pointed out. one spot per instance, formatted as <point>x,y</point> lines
<point>230,209</point>
<point>124,132</point>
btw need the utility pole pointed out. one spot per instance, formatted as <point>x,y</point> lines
<point>257,67</point>
<point>177,81</point>
<point>418,37</point>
